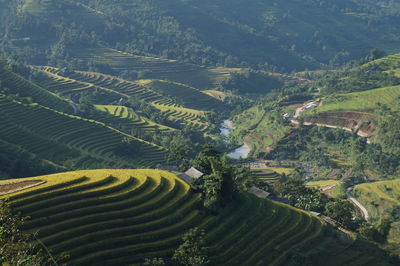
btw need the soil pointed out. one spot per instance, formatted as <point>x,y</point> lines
<point>16,186</point>
<point>364,123</point>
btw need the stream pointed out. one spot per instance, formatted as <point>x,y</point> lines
<point>241,152</point>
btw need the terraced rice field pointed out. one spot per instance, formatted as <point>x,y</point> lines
<point>268,175</point>
<point>119,217</point>
<point>157,68</point>
<point>323,183</point>
<point>113,89</point>
<point>190,97</point>
<point>378,196</point>
<point>58,136</point>
<point>126,119</point>
<point>178,113</point>
<point>19,85</point>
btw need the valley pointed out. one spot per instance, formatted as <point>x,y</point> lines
<point>173,132</point>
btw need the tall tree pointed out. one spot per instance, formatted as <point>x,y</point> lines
<point>16,247</point>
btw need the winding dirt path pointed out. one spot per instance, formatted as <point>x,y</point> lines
<point>363,210</point>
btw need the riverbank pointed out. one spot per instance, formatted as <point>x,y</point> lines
<point>240,153</point>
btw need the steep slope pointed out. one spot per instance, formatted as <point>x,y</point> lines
<point>124,216</point>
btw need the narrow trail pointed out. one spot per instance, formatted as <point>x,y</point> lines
<point>358,204</point>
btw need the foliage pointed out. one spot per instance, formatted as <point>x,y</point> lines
<point>222,181</point>
<point>16,247</point>
<point>339,191</point>
<point>341,211</point>
<point>377,232</point>
<point>388,134</point>
<point>320,146</point>
<point>250,82</point>
<point>192,251</point>
<point>298,194</point>
<point>191,31</point>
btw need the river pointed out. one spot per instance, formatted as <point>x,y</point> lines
<point>241,152</point>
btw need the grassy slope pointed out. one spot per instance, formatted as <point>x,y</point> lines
<point>256,126</point>
<point>124,216</point>
<point>377,198</point>
<point>365,100</point>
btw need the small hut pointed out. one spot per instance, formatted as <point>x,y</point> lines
<point>258,192</point>
<point>191,175</point>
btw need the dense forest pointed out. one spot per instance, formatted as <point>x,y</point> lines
<point>294,35</point>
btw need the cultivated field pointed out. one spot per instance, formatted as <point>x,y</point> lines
<point>157,68</point>
<point>123,216</point>
<point>111,90</point>
<point>59,137</point>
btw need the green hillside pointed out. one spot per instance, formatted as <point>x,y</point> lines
<point>70,140</point>
<point>109,90</point>
<point>154,68</point>
<point>188,96</point>
<point>366,100</point>
<point>126,119</point>
<point>13,83</point>
<point>379,196</point>
<point>290,35</point>
<point>356,98</point>
<point>383,199</point>
<point>124,216</point>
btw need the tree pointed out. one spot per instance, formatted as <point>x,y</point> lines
<point>192,251</point>
<point>202,160</point>
<point>341,211</point>
<point>377,232</point>
<point>16,248</point>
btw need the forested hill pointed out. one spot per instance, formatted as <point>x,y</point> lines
<point>277,35</point>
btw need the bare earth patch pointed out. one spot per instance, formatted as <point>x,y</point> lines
<point>18,185</point>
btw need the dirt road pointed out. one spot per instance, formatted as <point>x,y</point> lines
<point>358,204</point>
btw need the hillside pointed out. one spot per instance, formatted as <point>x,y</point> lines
<point>383,199</point>
<point>369,90</point>
<point>362,97</point>
<point>124,216</point>
<point>286,35</point>
<point>69,140</point>
<point>109,90</point>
